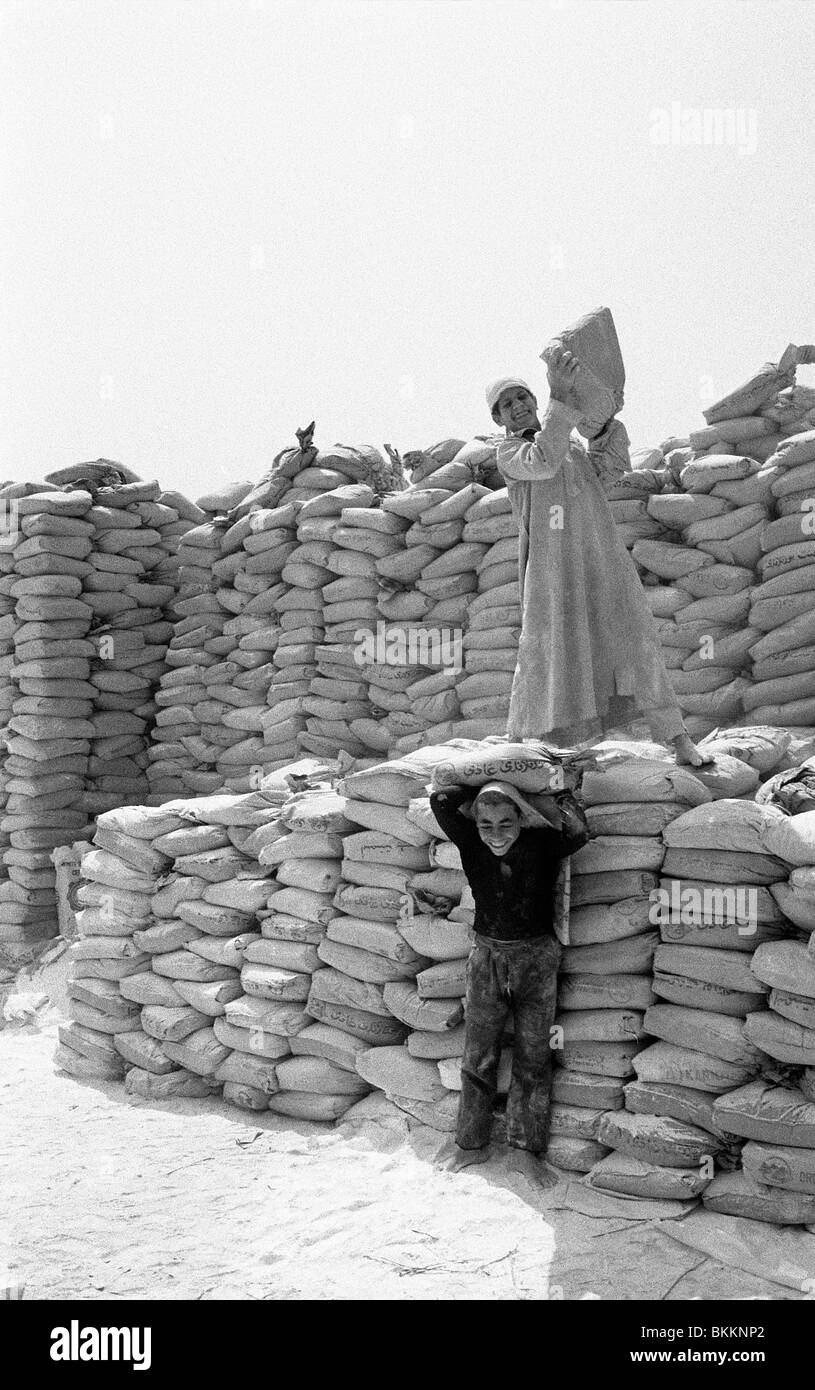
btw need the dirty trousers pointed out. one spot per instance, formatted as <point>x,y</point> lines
<point>502,977</point>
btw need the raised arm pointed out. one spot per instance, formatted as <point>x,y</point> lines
<point>446,807</point>
<point>535,460</point>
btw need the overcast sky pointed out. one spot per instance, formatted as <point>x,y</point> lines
<point>224,218</point>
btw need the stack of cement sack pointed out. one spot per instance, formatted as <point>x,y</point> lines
<point>318,1081</point>
<point>398,940</point>
<point>245,654</point>
<point>119,877</point>
<point>606,989</point>
<point>494,615</point>
<point>88,570</point>
<point>346,531</point>
<point>784,657</point>
<point>714,908</point>
<point>775,1112</point>
<point>49,725</point>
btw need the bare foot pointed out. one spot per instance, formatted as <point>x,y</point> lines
<point>533,1168</point>
<point>687,754</point>
<point>454,1159</point>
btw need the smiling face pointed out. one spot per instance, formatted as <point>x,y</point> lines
<point>499,825</point>
<point>517,410</point>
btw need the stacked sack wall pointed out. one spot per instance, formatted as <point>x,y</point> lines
<point>297,949</point>
<point>89,580</point>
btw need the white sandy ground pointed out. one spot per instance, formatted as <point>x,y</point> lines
<point>107,1196</point>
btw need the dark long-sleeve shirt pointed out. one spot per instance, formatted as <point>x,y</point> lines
<point>514,893</point>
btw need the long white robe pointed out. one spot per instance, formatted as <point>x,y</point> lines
<point>589,658</point>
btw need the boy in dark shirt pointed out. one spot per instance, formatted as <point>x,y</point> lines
<point>511,852</point>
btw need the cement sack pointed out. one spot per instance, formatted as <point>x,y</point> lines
<point>141,822</point>
<point>781,1038</point>
<point>528,767</point>
<point>583,1089</point>
<point>323,1041</point>
<point>304,1105</point>
<point>723,866</point>
<point>780,1165</point>
<point>738,1194</point>
<point>446,980</point>
<point>382,938</point>
<point>375,876</point>
<point>600,1025</point>
<point>785,965</point>
<point>336,987</point>
<point>318,875</point>
<point>684,1066</point>
<point>176,1084</point>
<point>718,1035</point>
<point>374,1029</point>
<point>614,853</point>
<point>574,1155</point>
<point>437,1046</point>
<point>214,919</point>
<point>437,938</point>
<point>393,1070</point>
<point>393,820</point>
<point>394,784</point>
<point>183,965</point>
<point>303,904</point>
<point>268,982</point>
<point>244,895</point>
<point>799,909</point>
<point>279,926</point>
<point>183,888</point>
<point>599,923</point>
<point>172,1024</point>
<point>140,1050</point>
<point>729,969</point>
<point>431,1015</point>
<point>166,937</point>
<point>600,1058</point>
<point>318,1076</point>
<point>97,1047</point>
<point>579,992</point>
<point>297,845</point>
<point>251,1042</point>
<point>283,955</point>
<point>148,988</point>
<point>701,994</point>
<point>101,867</point>
<point>101,1021</point>
<point>792,838</point>
<point>632,818</point>
<point>67,1060</point>
<point>364,965</point>
<point>677,1103</point>
<point>376,904</point>
<point>631,1176</point>
<point>282,1016</point>
<point>768,1113</point>
<point>727,824</point>
<point>643,779</point>
<point>631,956</point>
<point>612,886</point>
<point>657,1139</point>
<point>796,1007</point>
<point>211,997</point>
<point>322,811</point>
<point>574,1121</point>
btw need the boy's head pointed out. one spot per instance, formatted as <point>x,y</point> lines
<point>513,404</point>
<point>497,820</point>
